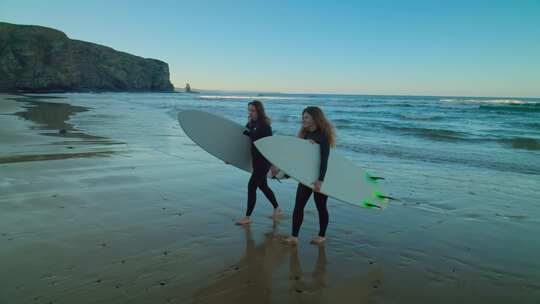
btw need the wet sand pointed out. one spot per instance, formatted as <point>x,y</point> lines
<point>26,118</point>
<point>110,221</point>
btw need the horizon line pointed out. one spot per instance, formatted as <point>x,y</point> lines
<point>180,89</point>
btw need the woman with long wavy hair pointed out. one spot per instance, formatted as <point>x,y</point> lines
<point>258,127</point>
<point>318,130</point>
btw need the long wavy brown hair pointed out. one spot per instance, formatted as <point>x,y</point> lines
<point>321,122</point>
<point>261,114</point>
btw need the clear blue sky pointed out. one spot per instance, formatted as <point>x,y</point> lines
<point>480,48</point>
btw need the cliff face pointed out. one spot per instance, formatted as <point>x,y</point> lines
<point>40,59</point>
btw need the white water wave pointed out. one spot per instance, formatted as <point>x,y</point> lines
<point>491,101</point>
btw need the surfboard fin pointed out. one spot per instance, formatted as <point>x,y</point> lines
<point>371,178</point>
<point>369,204</point>
<point>387,197</point>
<point>379,195</point>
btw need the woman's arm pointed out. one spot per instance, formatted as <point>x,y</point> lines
<point>325,152</point>
<point>267,131</point>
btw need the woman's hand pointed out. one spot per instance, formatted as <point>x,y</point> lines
<point>274,170</point>
<point>317,186</point>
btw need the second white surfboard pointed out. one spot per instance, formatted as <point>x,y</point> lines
<point>344,180</point>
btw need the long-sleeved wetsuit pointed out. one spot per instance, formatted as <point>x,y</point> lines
<point>303,193</point>
<point>256,130</point>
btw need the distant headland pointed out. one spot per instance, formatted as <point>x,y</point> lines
<point>40,59</point>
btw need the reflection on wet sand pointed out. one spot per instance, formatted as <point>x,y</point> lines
<point>299,283</point>
<point>52,116</point>
<point>37,157</point>
<point>360,288</point>
<point>51,119</point>
<point>261,276</point>
<point>251,279</point>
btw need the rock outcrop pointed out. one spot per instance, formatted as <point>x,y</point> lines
<point>40,59</point>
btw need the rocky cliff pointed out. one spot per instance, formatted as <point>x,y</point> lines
<point>40,59</point>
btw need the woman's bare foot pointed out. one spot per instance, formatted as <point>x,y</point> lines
<point>277,213</point>
<point>243,221</point>
<point>318,240</point>
<point>291,240</point>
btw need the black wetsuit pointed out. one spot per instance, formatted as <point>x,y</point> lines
<point>303,193</point>
<point>256,130</point>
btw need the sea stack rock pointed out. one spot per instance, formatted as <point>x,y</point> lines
<point>41,59</point>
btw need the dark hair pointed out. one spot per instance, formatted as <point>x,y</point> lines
<point>261,114</point>
<point>322,124</point>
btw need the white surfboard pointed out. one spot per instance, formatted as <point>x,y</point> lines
<point>344,180</point>
<point>221,137</point>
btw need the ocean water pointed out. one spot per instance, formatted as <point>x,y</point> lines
<point>465,172</point>
<point>487,134</point>
<point>501,135</point>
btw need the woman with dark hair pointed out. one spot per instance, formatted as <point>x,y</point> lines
<point>317,129</point>
<point>258,127</point>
